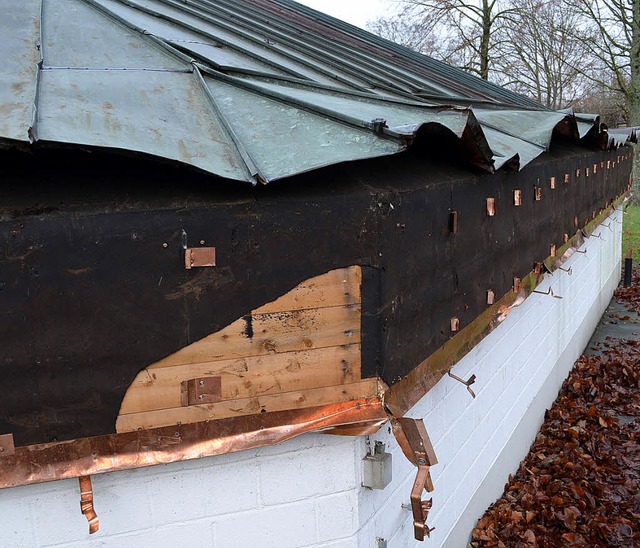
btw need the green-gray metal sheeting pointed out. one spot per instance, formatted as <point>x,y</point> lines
<point>248,90</point>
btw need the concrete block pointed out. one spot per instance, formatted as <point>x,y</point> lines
<point>305,474</point>
<point>337,516</point>
<point>290,526</point>
<point>215,490</point>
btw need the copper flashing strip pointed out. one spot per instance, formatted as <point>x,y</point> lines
<point>102,454</point>
<point>403,395</point>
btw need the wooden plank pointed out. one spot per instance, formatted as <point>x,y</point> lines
<point>247,377</point>
<point>335,288</point>
<point>298,399</point>
<point>273,332</point>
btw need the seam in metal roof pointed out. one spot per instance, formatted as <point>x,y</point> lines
<point>249,90</point>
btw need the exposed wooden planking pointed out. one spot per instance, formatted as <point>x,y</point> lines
<point>274,332</point>
<point>160,388</point>
<point>298,399</point>
<point>335,288</point>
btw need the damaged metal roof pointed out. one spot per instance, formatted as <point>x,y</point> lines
<point>253,90</point>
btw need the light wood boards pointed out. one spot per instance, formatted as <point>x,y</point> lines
<point>301,350</point>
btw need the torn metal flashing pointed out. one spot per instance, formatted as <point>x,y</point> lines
<point>102,454</point>
<point>228,87</point>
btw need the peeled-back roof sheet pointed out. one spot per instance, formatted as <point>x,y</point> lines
<point>252,90</point>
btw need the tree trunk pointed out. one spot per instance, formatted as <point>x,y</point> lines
<point>634,95</point>
<point>484,41</point>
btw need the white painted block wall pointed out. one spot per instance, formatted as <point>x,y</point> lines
<point>307,492</point>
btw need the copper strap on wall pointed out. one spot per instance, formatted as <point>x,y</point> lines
<point>415,444</point>
<point>86,504</point>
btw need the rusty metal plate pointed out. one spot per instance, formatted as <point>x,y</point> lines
<point>196,257</point>
<point>7,446</point>
<point>203,390</point>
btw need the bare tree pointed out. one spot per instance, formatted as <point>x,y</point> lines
<point>475,24</point>
<point>538,53</point>
<point>611,29</point>
<point>460,32</point>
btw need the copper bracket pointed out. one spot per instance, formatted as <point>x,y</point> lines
<point>517,197</point>
<point>7,446</point>
<point>516,284</point>
<point>547,292</point>
<point>415,444</point>
<point>491,296</point>
<point>195,257</point>
<point>491,207</point>
<point>198,391</point>
<point>453,222</point>
<point>86,504</point>
<point>455,324</point>
<point>467,383</point>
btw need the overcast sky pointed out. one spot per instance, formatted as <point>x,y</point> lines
<point>356,12</point>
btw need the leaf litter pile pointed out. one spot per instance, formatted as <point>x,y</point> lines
<point>580,483</point>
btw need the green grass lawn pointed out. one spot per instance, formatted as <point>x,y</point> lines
<point>631,235</point>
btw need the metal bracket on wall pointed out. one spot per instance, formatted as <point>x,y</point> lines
<point>86,504</point>
<point>468,383</point>
<point>415,444</point>
<point>200,391</point>
<point>547,292</point>
<point>196,257</point>
<point>7,446</point>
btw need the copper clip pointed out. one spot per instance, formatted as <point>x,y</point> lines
<point>7,446</point>
<point>567,270</point>
<point>415,444</point>
<point>516,284</point>
<point>453,222</point>
<point>517,197</point>
<point>468,383</point>
<point>455,324</point>
<point>491,296</point>
<point>547,292</point>
<point>86,504</point>
<point>491,207</point>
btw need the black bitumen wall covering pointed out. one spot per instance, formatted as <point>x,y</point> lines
<point>89,295</point>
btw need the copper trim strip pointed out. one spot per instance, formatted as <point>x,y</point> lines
<point>98,455</point>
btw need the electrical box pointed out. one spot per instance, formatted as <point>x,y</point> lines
<point>377,468</point>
